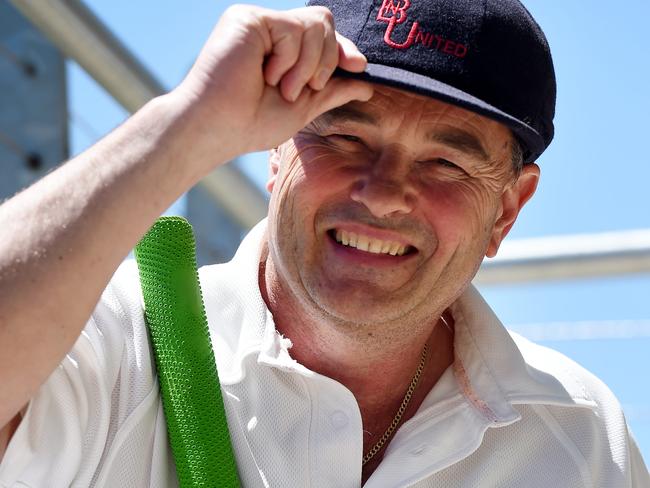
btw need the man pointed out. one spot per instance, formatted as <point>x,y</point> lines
<point>350,344</point>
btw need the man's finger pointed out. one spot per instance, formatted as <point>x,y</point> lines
<point>303,70</point>
<point>286,38</point>
<point>350,58</point>
<point>329,59</point>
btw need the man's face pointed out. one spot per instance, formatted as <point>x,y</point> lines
<point>383,210</point>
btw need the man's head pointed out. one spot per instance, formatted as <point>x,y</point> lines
<point>488,56</point>
<point>383,210</point>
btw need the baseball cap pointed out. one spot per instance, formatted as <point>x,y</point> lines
<point>487,56</point>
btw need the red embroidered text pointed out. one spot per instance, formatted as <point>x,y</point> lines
<point>393,12</point>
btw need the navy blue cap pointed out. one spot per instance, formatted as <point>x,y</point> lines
<point>487,56</point>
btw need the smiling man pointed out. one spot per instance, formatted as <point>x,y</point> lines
<point>382,214</point>
<point>351,346</point>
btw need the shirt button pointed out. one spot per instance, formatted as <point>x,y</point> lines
<point>339,419</point>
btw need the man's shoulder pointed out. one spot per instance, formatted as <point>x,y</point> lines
<point>573,376</point>
<point>223,276</point>
<point>595,433</point>
<point>580,383</point>
<point>235,281</point>
<point>236,312</point>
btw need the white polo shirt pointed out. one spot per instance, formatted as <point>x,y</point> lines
<point>508,413</point>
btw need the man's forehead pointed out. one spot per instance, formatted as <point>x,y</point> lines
<point>388,102</point>
<point>352,111</point>
<point>385,100</point>
<point>439,121</point>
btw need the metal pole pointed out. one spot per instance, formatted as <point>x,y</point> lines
<point>568,257</point>
<point>80,35</point>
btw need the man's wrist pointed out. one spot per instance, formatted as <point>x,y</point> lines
<point>204,135</point>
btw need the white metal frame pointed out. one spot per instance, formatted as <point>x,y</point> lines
<point>80,35</point>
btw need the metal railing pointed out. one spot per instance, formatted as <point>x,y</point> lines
<point>568,257</point>
<point>82,36</point>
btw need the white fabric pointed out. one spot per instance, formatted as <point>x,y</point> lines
<point>507,414</point>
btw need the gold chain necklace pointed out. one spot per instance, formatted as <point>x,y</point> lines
<point>402,408</point>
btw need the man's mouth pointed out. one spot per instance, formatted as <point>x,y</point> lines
<point>370,244</point>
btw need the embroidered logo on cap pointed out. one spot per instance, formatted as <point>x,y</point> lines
<point>393,12</point>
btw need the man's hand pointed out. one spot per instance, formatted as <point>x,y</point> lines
<point>264,74</point>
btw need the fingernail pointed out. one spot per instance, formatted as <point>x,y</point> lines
<point>322,78</point>
<point>294,93</point>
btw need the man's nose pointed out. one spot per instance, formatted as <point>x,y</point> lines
<point>385,191</point>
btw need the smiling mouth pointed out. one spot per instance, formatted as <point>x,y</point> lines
<point>370,244</point>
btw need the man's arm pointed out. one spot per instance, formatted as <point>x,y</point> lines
<point>261,76</point>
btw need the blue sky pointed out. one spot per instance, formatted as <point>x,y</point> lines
<point>594,176</point>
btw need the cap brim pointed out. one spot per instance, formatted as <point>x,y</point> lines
<point>531,141</point>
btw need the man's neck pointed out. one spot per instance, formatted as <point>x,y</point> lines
<point>375,362</point>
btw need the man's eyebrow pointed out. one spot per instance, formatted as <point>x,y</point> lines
<point>455,138</point>
<point>461,141</point>
<point>348,113</point>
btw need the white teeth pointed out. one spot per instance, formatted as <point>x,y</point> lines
<point>375,247</point>
<point>362,243</point>
<point>368,244</point>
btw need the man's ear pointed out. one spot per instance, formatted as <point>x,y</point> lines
<point>512,201</point>
<point>274,167</point>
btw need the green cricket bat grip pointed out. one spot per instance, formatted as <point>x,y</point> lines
<point>187,373</point>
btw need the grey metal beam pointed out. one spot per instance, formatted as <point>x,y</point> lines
<point>33,103</point>
<point>82,36</point>
<point>568,257</point>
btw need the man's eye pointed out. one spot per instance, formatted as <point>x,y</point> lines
<point>347,137</point>
<point>445,163</point>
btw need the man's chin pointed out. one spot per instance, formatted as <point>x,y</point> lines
<point>359,306</point>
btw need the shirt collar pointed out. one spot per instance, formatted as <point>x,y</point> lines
<point>232,296</point>
<point>495,369</point>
